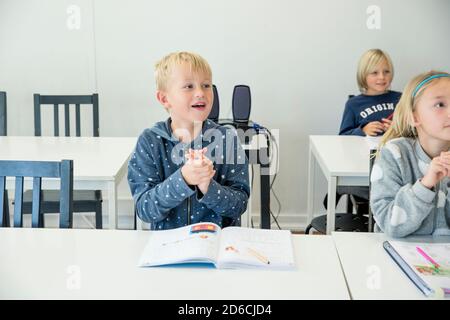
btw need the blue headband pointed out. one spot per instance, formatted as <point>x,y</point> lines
<point>420,85</point>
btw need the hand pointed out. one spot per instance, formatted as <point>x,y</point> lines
<point>373,128</point>
<point>386,123</point>
<point>205,182</point>
<point>198,170</point>
<point>438,169</point>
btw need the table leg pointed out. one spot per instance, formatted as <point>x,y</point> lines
<point>331,205</point>
<point>112,204</point>
<point>311,185</point>
<point>265,196</point>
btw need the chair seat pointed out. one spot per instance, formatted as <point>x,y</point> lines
<point>83,201</point>
<point>53,195</point>
<point>343,222</point>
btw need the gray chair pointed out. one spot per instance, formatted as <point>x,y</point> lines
<point>37,170</point>
<point>84,200</point>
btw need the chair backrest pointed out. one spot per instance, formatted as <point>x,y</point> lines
<point>3,114</point>
<point>372,155</point>
<point>241,103</point>
<point>214,114</point>
<point>37,170</point>
<point>66,101</point>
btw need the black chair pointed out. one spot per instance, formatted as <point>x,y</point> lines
<point>84,200</point>
<point>214,114</point>
<point>362,221</point>
<point>3,123</point>
<point>37,170</point>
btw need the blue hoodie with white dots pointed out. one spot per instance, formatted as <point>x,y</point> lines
<point>161,195</point>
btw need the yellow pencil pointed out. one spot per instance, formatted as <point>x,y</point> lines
<point>259,256</point>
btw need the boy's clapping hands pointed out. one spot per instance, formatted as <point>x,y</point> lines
<point>198,169</point>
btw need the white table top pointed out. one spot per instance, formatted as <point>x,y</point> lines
<point>43,263</point>
<point>370,272</point>
<point>342,155</point>
<point>98,158</point>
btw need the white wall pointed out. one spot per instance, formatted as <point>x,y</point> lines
<point>299,57</point>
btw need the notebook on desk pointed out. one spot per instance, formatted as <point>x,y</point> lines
<point>232,247</point>
<point>426,264</point>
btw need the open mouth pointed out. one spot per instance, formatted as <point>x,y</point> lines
<point>199,106</point>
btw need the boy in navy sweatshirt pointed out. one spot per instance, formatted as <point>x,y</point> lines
<point>370,113</point>
<point>187,169</point>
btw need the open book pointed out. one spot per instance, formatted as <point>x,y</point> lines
<point>426,264</point>
<point>232,247</point>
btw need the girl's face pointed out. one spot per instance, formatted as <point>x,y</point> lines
<point>379,80</point>
<point>432,114</point>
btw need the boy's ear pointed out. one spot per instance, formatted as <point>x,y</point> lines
<point>161,96</point>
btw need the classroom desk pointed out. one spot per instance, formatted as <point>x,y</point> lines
<point>344,160</point>
<point>370,272</point>
<point>102,264</point>
<point>99,162</point>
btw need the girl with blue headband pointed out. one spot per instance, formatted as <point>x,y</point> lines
<point>410,177</point>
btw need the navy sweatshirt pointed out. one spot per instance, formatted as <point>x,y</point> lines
<point>362,109</point>
<point>161,195</point>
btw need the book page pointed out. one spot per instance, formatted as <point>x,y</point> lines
<point>255,248</point>
<point>431,261</point>
<point>194,243</point>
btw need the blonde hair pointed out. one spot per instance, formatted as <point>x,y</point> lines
<point>368,62</point>
<point>402,124</point>
<point>164,67</point>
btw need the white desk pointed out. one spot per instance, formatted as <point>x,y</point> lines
<point>102,264</point>
<point>99,162</point>
<point>344,160</point>
<point>370,272</point>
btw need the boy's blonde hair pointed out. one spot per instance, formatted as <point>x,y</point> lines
<point>164,67</point>
<point>402,124</point>
<point>368,62</point>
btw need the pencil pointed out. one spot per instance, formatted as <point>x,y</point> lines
<point>428,258</point>
<point>259,256</point>
<point>390,116</point>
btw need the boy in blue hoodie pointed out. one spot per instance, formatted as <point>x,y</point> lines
<point>370,113</point>
<point>187,169</point>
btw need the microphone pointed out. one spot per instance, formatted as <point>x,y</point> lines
<point>241,104</point>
